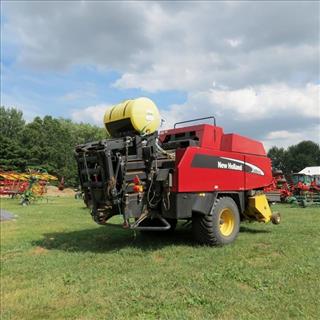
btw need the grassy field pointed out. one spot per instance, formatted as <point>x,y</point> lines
<point>56,263</point>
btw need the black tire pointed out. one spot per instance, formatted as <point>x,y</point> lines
<point>211,229</point>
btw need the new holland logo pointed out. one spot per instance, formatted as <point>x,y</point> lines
<point>213,162</point>
<point>230,165</point>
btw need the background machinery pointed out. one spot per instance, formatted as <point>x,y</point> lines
<point>305,188</point>
<point>17,183</point>
<point>279,189</point>
<point>195,173</point>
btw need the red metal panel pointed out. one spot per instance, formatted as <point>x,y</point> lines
<point>254,181</point>
<point>220,171</point>
<point>197,179</point>
<point>236,143</point>
<point>222,162</point>
<point>209,136</point>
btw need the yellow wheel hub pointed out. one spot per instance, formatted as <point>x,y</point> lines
<point>226,222</point>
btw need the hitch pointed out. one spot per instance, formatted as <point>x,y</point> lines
<point>136,226</point>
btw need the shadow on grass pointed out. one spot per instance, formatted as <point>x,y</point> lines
<point>111,238</point>
<point>250,230</point>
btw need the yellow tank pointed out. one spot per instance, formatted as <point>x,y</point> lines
<point>132,116</point>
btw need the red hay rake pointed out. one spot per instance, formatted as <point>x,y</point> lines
<point>15,183</point>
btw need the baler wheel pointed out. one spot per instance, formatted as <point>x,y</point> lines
<point>276,218</point>
<point>221,226</point>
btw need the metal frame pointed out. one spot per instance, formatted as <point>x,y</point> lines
<point>187,121</point>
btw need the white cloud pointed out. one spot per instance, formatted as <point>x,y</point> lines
<point>284,138</point>
<point>92,114</point>
<point>197,68</point>
<point>269,100</point>
<point>78,95</point>
<point>171,45</point>
<point>277,114</point>
<point>282,134</point>
<point>234,42</point>
<point>254,103</point>
<point>263,58</point>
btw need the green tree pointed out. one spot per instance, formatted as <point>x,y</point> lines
<point>301,155</point>
<point>46,143</point>
<point>278,157</point>
<point>11,122</point>
<point>78,134</point>
<point>12,153</point>
<point>296,157</point>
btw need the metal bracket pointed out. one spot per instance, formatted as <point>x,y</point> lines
<point>166,224</point>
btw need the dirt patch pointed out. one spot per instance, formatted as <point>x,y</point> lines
<point>276,254</point>
<point>158,258</point>
<point>244,286</point>
<point>39,250</point>
<point>263,245</point>
<point>259,262</point>
<point>6,215</point>
<point>54,191</point>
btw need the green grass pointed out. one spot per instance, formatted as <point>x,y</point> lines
<point>56,263</point>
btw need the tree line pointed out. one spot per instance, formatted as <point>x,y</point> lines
<point>45,143</point>
<point>296,157</point>
<point>48,143</point>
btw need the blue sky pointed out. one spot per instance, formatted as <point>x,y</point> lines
<point>255,66</point>
<point>59,92</point>
<point>42,92</point>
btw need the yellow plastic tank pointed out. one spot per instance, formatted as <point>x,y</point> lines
<point>132,116</point>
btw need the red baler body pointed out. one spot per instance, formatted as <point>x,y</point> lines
<point>220,162</point>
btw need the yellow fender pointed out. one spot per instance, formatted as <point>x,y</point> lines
<point>259,209</point>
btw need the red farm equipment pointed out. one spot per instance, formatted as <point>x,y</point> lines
<point>305,188</point>
<point>15,183</point>
<point>315,184</point>
<point>300,182</point>
<point>194,173</point>
<point>279,189</point>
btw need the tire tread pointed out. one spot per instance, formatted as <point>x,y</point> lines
<point>204,225</point>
